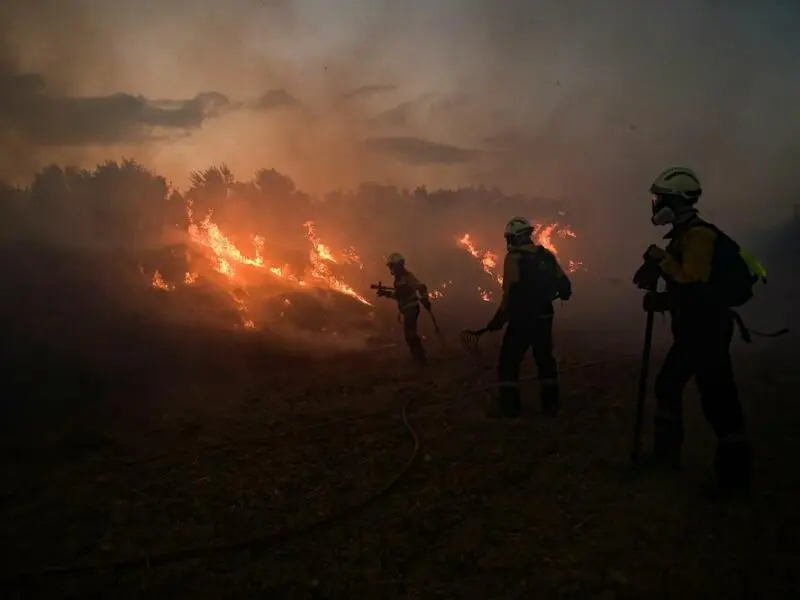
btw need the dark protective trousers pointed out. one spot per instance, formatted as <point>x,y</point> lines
<point>518,338</point>
<point>703,352</point>
<point>410,323</point>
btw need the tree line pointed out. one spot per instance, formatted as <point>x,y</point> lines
<point>122,203</point>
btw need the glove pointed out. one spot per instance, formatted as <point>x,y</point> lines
<point>656,302</point>
<point>647,276</point>
<point>426,303</point>
<point>654,254</point>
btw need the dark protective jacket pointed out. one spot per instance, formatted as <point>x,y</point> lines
<point>532,279</point>
<point>703,281</point>
<point>687,269</point>
<point>408,290</point>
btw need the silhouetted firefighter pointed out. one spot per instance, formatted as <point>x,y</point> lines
<point>409,293</point>
<point>532,279</point>
<point>707,274</point>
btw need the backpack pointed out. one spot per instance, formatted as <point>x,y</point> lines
<point>732,278</point>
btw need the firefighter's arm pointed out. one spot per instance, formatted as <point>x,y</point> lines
<point>697,248</point>
<point>510,277</point>
<point>563,284</point>
<point>420,288</point>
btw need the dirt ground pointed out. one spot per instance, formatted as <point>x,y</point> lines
<point>204,483</point>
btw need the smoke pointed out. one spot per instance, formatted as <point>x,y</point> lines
<point>560,98</point>
<point>577,103</point>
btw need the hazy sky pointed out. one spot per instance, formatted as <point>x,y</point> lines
<point>563,98</point>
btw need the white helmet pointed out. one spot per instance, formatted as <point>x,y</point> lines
<point>518,226</point>
<point>674,194</point>
<point>395,258</point>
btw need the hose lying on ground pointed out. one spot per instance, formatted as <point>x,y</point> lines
<point>255,542</point>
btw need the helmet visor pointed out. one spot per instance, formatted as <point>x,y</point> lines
<point>657,202</point>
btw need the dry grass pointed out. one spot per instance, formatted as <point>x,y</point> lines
<point>535,509</point>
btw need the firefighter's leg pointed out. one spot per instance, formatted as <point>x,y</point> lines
<point>516,341</point>
<point>670,382</point>
<point>542,342</point>
<point>720,398</point>
<point>410,320</point>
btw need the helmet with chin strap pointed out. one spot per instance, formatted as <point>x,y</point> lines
<point>674,194</point>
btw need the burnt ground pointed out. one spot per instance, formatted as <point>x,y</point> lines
<point>225,451</point>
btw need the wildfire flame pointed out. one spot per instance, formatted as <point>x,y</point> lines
<point>226,255</point>
<point>319,256</point>
<point>226,258</point>
<point>439,292</point>
<point>160,284</point>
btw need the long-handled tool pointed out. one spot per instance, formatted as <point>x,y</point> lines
<point>439,334</point>
<point>646,278</point>
<point>435,322</point>
<point>470,339</point>
<point>636,449</point>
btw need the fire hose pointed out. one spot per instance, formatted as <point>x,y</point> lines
<point>255,542</point>
<point>263,542</point>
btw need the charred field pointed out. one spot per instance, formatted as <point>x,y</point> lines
<point>151,460</point>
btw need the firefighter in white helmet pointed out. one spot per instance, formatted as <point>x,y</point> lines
<point>532,279</point>
<point>707,274</point>
<point>409,292</point>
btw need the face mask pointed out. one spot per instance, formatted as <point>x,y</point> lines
<point>664,216</point>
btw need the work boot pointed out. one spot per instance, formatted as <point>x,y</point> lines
<point>506,405</point>
<point>550,399</point>
<point>667,442</point>
<point>733,465</point>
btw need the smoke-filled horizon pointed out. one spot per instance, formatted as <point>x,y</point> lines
<point>556,99</point>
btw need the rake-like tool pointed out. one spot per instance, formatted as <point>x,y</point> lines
<point>470,339</point>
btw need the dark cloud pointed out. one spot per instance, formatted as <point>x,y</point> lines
<point>405,112</point>
<point>36,114</point>
<point>368,90</point>
<point>417,151</point>
<point>276,99</point>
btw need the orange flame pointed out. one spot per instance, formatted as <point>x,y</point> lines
<point>225,258</point>
<point>438,293</point>
<point>226,254</point>
<point>319,256</point>
<point>159,283</point>
<point>543,236</point>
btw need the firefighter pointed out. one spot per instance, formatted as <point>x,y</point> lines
<point>532,279</point>
<point>409,293</point>
<point>702,328</point>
